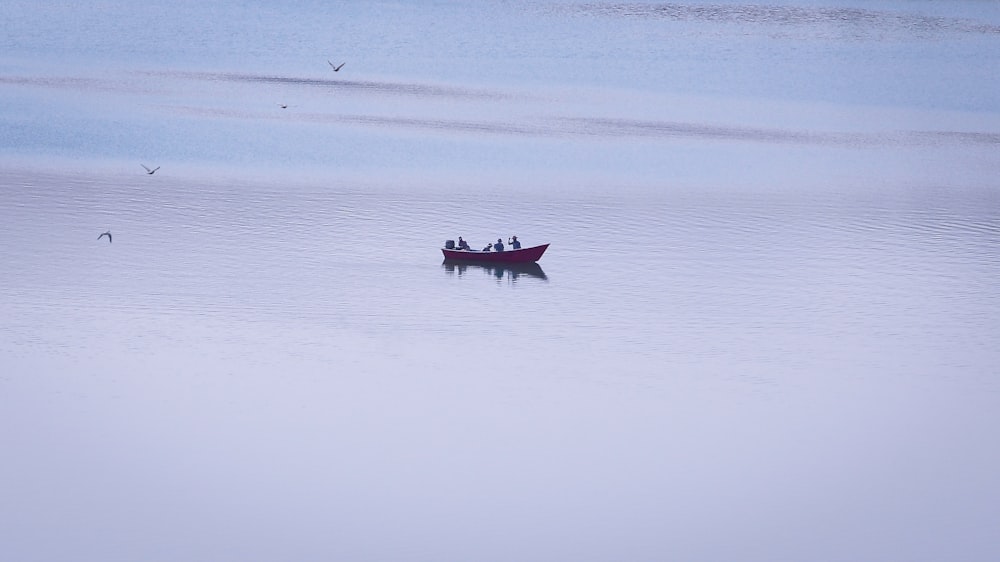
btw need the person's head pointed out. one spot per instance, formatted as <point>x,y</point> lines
<point>514,237</point>
<point>498,241</point>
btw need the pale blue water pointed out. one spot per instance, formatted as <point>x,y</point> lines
<point>764,329</point>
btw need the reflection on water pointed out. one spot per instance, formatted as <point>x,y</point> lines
<point>511,271</point>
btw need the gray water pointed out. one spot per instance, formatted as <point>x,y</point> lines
<point>764,329</point>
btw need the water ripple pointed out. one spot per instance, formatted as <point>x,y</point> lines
<point>872,24</point>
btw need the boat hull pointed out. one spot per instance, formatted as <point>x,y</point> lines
<point>523,255</point>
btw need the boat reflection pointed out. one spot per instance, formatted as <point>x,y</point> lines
<point>498,270</point>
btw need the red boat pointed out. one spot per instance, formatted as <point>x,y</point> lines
<point>522,255</point>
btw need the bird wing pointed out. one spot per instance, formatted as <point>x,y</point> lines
<point>337,69</point>
<point>144,166</point>
<point>154,169</point>
<point>109,238</point>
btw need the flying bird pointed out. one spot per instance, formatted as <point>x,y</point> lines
<point>335,67</point>
<point>283,105</point>
<point>148,171</point>
<point>108,234</point>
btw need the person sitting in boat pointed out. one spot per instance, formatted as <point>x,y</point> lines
<point>498,246</point>
<point>487,248</point>
<point>462,244</point>
<point>514,243</point>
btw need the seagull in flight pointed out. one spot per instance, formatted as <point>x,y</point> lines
<point>283,105</point>
<point>335,67</point>
<point>108,234</point>
<point>148,171</point>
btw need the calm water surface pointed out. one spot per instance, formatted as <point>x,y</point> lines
<point>763,329</point>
